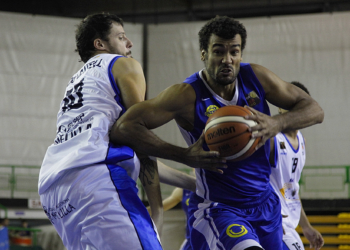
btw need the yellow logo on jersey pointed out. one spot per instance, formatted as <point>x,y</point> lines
<point>282,192</point>
<point>187,201</point>
<point>236,230</point>
<point>211,109</point>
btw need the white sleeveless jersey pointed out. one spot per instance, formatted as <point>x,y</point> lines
<point>91,105</point>
<point>285,177</point>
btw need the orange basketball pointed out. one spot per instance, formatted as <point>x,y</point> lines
<point>227,132</point>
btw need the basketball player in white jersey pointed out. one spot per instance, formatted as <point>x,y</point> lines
<point>287,157</point>
<point>87,185</point>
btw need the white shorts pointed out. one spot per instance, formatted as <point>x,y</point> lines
<point>292,239</point>
<point>97,207</point>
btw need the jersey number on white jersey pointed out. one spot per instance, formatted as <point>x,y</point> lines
<point>70,101</point>
<point>295,164</point>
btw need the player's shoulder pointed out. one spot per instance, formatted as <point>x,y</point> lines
<point>124,66</point>
<point>126,62</point>
<point>269,80</point>
<point>258,69</point>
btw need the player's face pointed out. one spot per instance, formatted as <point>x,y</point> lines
<point>222,60</point>
<point>117,42</point>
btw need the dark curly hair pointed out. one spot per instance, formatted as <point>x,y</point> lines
<point>224,27</point>
<point>300,85</point>
<point>93,27</point>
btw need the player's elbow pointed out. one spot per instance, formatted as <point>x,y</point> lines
<point>320,115</point>
<point>119,132</point>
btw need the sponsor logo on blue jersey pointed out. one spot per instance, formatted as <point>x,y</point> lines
<point>211,109</point>
<point>252,99</point>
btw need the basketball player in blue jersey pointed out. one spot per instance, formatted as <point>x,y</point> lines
<point>237,209</point>
<point>287,157</point>
<point>87,185</point>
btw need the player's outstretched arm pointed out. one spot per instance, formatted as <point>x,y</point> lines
<point>150,181</point>
<point>134,129</point>
<point>311,234</point>
<point>304,111</point>
<point>171,201</point>
<point>175,177</point>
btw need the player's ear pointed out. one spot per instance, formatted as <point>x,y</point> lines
<point>98,44</point>
<point>203,55</point>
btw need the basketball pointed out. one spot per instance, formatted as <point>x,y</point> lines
<point>227,132</point>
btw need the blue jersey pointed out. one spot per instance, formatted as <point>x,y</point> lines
<point>246,182</point>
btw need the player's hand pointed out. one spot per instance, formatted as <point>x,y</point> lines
<point>267,126</point>
<point>314,237</point>
<point>199,158</point>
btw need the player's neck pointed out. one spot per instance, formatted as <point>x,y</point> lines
<point>292,134</point>
<point>224,91</point>
<point>293,139</point>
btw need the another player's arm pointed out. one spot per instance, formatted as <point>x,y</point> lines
<point>176,102</point>
<point>130,79</point>
<point>171,201</point>
<point>150,181</point>
<point>304,111</point>
<point>175,177</point>
<point>313,236</point>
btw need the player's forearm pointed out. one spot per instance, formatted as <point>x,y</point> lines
<point>141,139</point>
<point>304,114</point>
<point>150,181</point>
<point>303,222</point>
<point>175,177</point>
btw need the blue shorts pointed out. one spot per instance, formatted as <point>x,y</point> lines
<point>220,226</point>
<point>186,245</point>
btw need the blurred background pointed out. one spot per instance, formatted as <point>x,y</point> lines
<point>299,40</point>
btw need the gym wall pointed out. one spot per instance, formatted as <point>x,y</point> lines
<point>38,59</point>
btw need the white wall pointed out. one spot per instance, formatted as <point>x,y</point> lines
<point>37,60</point>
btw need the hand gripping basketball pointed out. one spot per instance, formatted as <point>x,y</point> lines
<point>196,157</point>
<point>228,132</point>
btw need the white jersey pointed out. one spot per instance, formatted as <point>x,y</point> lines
<point>91,105</point>
<point>285,176</point>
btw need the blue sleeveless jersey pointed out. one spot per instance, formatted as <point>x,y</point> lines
<point>244,183</point>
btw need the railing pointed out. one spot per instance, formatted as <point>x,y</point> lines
<point>316,182</point>
<point>19,181</point>
<point>325,182</point>
<point>5,210</point>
